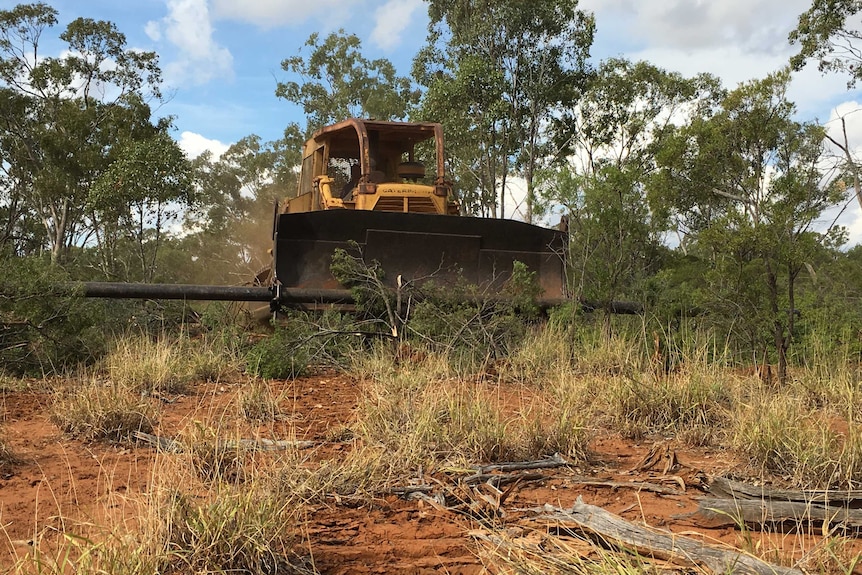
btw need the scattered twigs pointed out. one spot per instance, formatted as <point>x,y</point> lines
<point>659,454</point>
<point>597,523</point>
<point>410,489</point>
<point>556,460</point>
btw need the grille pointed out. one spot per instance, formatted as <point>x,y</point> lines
<point>394,204</point>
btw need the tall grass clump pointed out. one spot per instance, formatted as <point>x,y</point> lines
<point>690,405</point>
<point>831,377</point>
<point>197,518</point>
<point>246,530</point>
<point>139,363</point>
<point>546,355</point>
<point>421,412</point>
<point>112,552</point>
<point>7,454</point>
<point>257,402</point>
<point>361,474</point>
<point>168,364</point>
<point>783,435</point>
<point>97,410</point>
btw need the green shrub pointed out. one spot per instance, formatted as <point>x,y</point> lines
<point>44,326</point>
<point>282,355</point>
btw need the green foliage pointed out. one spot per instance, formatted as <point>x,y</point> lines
<point>139,195</point>
<point>497,73</point>
<point>748,183</point>
<point>63,119</point>
<point>471,327</point>
<point>613,134</point>
<point>338,82</point>
<point>825,35</point>
<point>469,323</point>
<point>282,355</point>
<point>44,328</point>
<point>365,280</point>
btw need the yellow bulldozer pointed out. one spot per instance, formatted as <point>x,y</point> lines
<point>364,186</point>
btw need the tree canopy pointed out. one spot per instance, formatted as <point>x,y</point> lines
<point>336,82</point>
<point>678,192</point>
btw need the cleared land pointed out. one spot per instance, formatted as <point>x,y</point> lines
<point>57,486</point>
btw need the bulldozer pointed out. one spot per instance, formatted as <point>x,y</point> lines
<point>364,187</point>
<point>378,190</point>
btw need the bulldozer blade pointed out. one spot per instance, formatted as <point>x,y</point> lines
<point>417,247</point>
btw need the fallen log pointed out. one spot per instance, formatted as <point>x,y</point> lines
<point>611,529</point>
<point>714,512</point>
<point>636,485</point>
<point>728,488</point>
<point>498,479</point>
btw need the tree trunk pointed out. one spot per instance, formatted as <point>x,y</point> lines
<point>778,329</point>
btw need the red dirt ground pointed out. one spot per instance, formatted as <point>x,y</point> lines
<point>58,480</point>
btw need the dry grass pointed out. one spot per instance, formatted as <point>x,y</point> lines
<point>213,508</point>
<point>257,403</point>
<point>97,410</point>
<point>167,365</point>
<point>421,411</point>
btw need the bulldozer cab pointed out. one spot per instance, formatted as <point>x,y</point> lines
<point>374,165</point>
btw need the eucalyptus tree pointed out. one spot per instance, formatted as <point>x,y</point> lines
<point>140,195</point>
<point>608,143</point>
<point>749,180</point>
<point>54,134</point>
<point>828,33</point>
<point>496,73</point>
<point>337,82</point>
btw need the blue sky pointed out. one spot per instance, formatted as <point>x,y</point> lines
<point>221,58</point>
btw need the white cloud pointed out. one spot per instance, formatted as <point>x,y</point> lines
<point>194,145</point>
<point>188,27</point>
<point>274,13</point>
<point>854,225</point>
<point>154,30</point>
<point>735,40</point>
<point>752,26</point>
<point>391,20</point>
